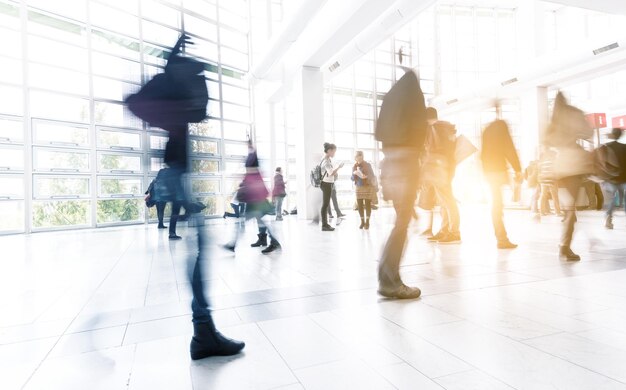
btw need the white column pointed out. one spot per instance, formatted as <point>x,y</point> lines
<point>310,138</point>
<point>534,119</point>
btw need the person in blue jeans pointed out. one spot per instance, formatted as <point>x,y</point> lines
<point>616,186</point>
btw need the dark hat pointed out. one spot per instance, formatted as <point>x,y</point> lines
<point>252,161</point>
<point>616,133</point>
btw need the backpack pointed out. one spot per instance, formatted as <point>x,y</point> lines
<point>605,163</point>
<point>317,176</point>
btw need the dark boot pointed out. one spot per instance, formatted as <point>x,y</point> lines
<point>262,241</point>
<point>274,246</point>
<point>609,223</point>
<point>362,223</point>
<point>367,224</point>
<point>207,341</point>
<point>566,253</point>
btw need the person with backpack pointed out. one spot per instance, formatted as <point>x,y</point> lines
<point>401,127</point>
<point>160,205</point>
<point>497,151</point>
<point>328,172</point>
<point>365,187</point>
<point>617,184</point>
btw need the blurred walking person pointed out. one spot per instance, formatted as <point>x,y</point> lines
<point>365,188</point>
<point>439,168</point>
<point>171,100</point>
<point>254,193</point>
<point>531,175</point>
<point>401,127</point>
<point>498,150</point>
<point>279,193</point>
<point>617,184</point>
<point>571,164</point>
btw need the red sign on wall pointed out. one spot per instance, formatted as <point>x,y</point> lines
<point>597,120</point>
<point>619,122</point>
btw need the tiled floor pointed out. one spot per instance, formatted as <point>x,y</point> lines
<point>109,309</point>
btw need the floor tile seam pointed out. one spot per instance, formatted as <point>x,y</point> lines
<point>145,297</point>
<point>291,370</point>
<point>119,260</point>
<point>481,371</point>
<point>573,363</point>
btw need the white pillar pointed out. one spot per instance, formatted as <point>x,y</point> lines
<point>534,119</point>
<point>310,138</point>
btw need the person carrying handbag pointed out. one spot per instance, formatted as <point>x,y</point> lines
<point>366,188</point>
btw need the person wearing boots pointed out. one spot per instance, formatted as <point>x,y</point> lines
<point>254,193</point>
<point>616,185</point>
<point>171,101</point>
<point>279,193</point>
<point>497,150</point>
<point>365,188</point>
<point>329,174</point>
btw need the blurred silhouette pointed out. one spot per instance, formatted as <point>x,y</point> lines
<point>401,127</point>
<point>497,150</point>
<point>613,164</point>
<point>254,193</point>
<point>438,169</point>
<point>531,175</point>
<point>279,193</point>
<point>172,100</point>
<point>366,187</point>
<point>571,163</point>
<point>329,173</point>
<point>427,201</point>
<point>151,201</point>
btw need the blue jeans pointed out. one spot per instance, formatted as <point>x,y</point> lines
<point>611,190</point>
<point>279,206</point>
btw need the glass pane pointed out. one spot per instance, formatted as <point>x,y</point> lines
<point>365,141</point>
<point>119,140</point>
<point>235,149</point>
<point>204,166</point>
<point>56,53</point>
<point>11,159</point>
<point>11,100</point>
<point>112,19</point>
<point>204,186</point>
<point>119,163</point>
<point>203,48</point>
<point>60,213</point>
<point>60,134</point>
<point>234,39</point>
<point>156,164</point>
<point>46,187</point>
<point>115,186</point>
<point>201,7</point>
<point>158,142</point>
<point>236,131</point>
<point>12,215</point>
<point>11,69</point>
<point>75,9</point>
<point>213,205</point>
<point>235,95</point>
<point>234,58</point>
<point>159,34</point>
<point>235,167</point>
<point>160,13</point>
<point>11,131</point>
<point>202,146</point>
<point>112,66</point>
<point>10,16</point>
<point>112,89</point>
<point>118,45</point>
<point>201,27</point>
<point>113,114</point>
<point>152,212</point>
<point>11,186</point>
<point>208,128</point>
<point>52,160</point>
<point>61,107</point>
<point>120,210</point>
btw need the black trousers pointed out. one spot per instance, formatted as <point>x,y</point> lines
<point>365,207</point>
<point>160,208</point>
<point>327,190</point>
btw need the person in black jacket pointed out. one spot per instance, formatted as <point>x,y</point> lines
<point>497,150</point>
<point>171,100</point>
<point>616,185</point>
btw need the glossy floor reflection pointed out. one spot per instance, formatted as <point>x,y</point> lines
<point>109,309</point>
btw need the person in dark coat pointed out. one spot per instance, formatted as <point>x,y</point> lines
<point>401,128</point>
<point>279,192</point>
<point>497,151</point>
<point>616,185</point>
<point>172,100</point>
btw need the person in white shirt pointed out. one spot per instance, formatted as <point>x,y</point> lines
<point>329,172</point>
